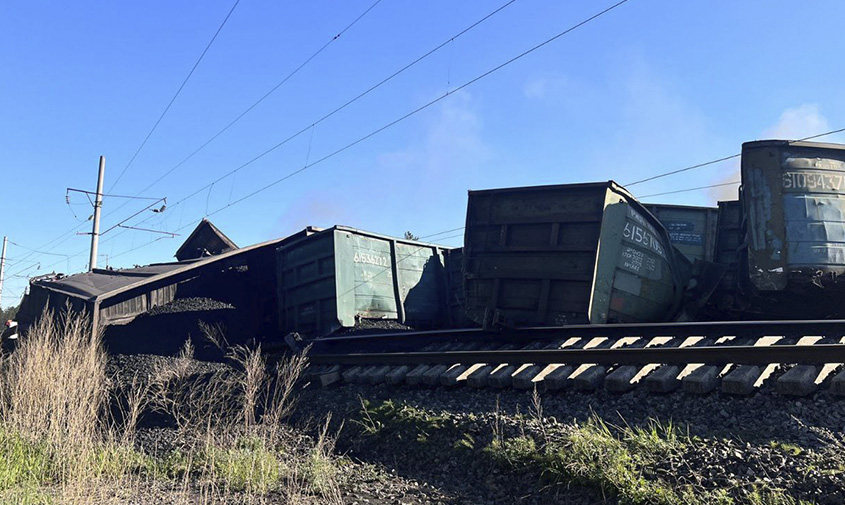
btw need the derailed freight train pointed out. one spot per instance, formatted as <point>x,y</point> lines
<point>532,256</point>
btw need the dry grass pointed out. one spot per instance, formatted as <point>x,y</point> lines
<point>59,442</point>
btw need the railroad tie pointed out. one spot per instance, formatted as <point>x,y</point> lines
<point>396,375</point>
<point>533,376</point>
<point>667,378</point>
<point>416,376</point>
<point>432,376</point>
<point>502,376</point>
<point>353,375</point>
<point>482,371</point>
<point>590,376</point>
<point>702,379</point>
<point>837,383</point>
<point>457,374</point>
<point>744,379</point>
<point>623,378</point>
<point>330,375</point>
<point>561,377</point>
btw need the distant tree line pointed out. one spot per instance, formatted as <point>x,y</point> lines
<point>8,313</point>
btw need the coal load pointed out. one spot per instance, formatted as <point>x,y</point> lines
<point>163,330</point>
<point>193,304</point>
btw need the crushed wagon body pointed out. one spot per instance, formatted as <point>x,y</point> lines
<point>577,253</point>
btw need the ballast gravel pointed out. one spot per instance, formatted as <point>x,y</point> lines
<point>740,444</point>
<point>795,446</point>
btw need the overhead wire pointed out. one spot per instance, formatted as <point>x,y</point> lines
<point>382,128</point>
<point>257,102</point>
<point>178,91</point>
<point>328,115</point>
<point>166,109</point>
<point>324,117</point>
<point>395,121</point>
<point>691,189</point>
<point>737,155</point>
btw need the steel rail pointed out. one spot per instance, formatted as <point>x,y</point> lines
<point>712,355</point>
<point>675,329</point>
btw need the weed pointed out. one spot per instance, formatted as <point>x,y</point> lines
<point>59,443</point>
<point>791,449</point>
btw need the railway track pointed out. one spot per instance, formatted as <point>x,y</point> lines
<point>796,358</point>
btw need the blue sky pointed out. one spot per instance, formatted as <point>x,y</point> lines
<point>650,87</point>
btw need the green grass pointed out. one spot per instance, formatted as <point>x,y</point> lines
<point>23,463</point>
<point>614,459</point>
<point>248,466</point>
<point>791,449</point>
<point>394,417</point>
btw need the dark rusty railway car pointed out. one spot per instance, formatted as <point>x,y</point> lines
<point>455,299</point>
<point>551,255</point>
<point>793,196</point>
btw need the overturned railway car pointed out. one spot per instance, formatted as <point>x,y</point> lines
<point>124,302</point>
<point>793,204</point>
<point>553,255</point>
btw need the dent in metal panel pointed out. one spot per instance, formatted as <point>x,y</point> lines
<point>760,212</point>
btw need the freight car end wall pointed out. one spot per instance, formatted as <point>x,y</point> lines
<point>340,275</point>
<point>691,229</point>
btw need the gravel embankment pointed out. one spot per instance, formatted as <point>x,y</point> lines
<point>735,443</point>
<point>740,444</point>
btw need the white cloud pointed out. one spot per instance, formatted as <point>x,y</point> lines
<point>798,122</point>
<point>795,122</point>
<point>541,88</point>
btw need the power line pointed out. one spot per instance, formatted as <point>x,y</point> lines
<point>263,97</point>
<point>88,193</point>
<point>388,125</point>
<point>693,167</point>
<point>442,232</point>
<point>185,81</point>
<point>394,122</point>
<point>35,250</point>
<point>691,189</point>
<point>324,117</point>
<point>686,169</point>
<point>172,100</point>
